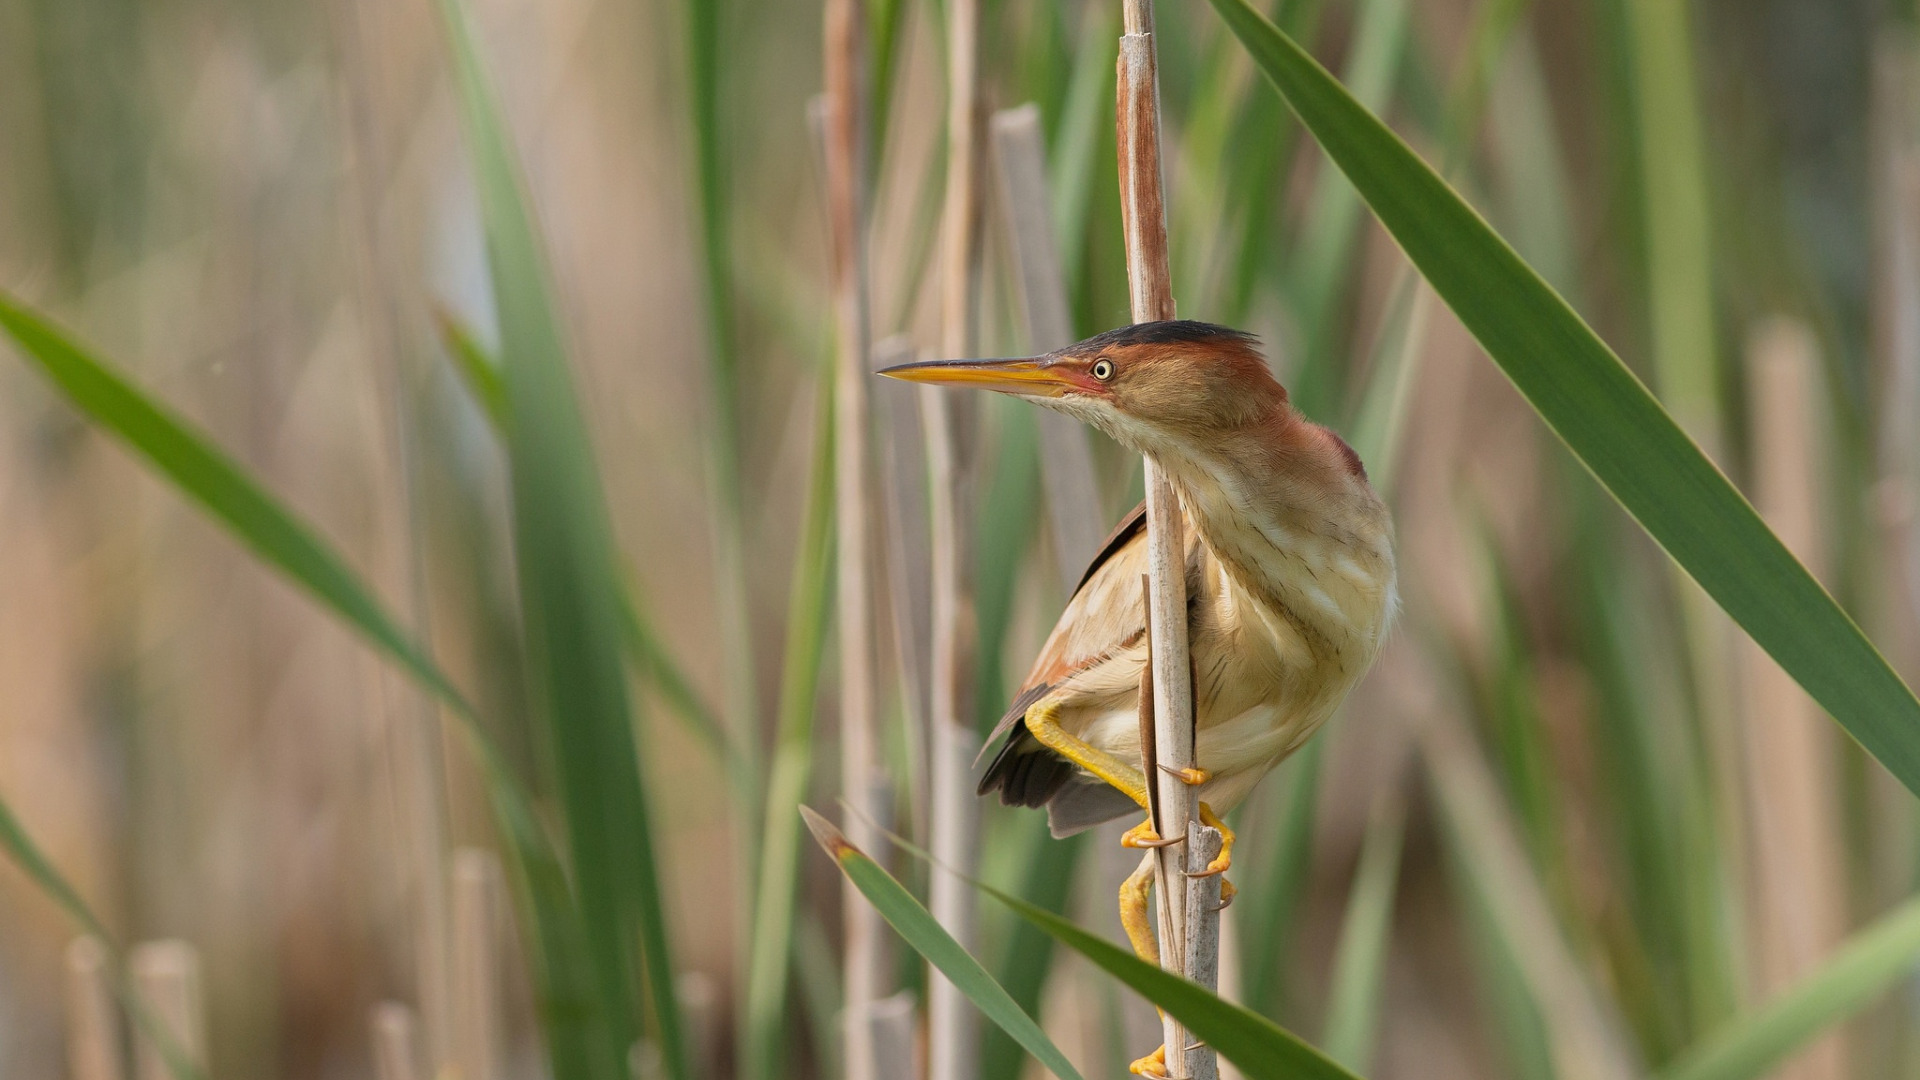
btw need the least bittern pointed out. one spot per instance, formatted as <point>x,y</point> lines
<point>1290,583</point>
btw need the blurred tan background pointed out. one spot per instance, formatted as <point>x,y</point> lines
<point>255,207</point>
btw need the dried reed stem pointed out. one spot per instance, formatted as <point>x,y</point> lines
<point>1066,461</point>
<point>1202,961</point>
<point>952,1025</point>
<point>844,130</point>
<point>699,995</point>
<point>395,1055</point>
<point>410,721</point>
<point>476,965</point>
<point>1897,333</point>
<point>954,810</point>
<point>1895,616</point>
<point>1150,286</point>
<point>1798,908</point>
<point>909,559</point>
<point>93,1023</point>
<point>166,979</point>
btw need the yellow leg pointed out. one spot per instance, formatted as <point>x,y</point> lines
<point>1133,912</point>
<point>1043,723</point>
<point>1133,917</point>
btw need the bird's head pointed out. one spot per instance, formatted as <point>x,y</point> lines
<point>1160,388</point>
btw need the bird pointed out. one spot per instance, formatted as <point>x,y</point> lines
<point>1290,580</point>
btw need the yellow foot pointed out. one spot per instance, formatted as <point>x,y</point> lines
<point>1223,860</point>
<point>1143,836</point>
<point>1190,776</point>
<point>1153,1065</point>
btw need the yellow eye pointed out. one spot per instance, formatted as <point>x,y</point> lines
<point>1102,369</point>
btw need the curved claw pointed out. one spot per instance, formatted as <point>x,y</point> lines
<point>1147,840</point>
<point>1192,777</point>
<point>1143,836</point>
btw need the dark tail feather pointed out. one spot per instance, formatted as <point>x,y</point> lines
<point>1025,772</point>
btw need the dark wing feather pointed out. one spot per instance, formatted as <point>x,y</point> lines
<point>1122,534</point>
<point>1024,772</point>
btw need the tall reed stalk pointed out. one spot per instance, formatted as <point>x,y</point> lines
<point>1150,287</point>
<point>1797,888</point>
<point>93,1020</point>
<point>868,795</point>
<point>411,725</point>
<point>395,1055</point>
<point>477,1036</point>
<point>723,381</point>
<point>952,744</point>
<point>1066,461</point>
<point>167,977</point>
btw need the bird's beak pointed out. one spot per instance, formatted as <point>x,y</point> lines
<point>1028,376</point>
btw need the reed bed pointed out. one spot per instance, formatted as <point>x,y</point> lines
<point>450,529</point>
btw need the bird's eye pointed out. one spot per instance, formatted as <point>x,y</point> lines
<point>1102,369</point>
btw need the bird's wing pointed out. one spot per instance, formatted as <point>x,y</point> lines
<point>1107,613</point>
<point>1131,527</point>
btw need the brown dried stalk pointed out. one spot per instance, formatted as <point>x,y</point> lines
<point>1150,286</point>
<point>1798,905</point>
<point>166,977</point>
<point>1073,491</point>
<point>475,961</point>
<point>954,810</point>
<point>395,1057</point>
<point>867,793</point>
<point>93,1021</point>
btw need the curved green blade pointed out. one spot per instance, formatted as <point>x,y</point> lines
<point>1599,409</point>
<point>211,478</point>
<point>1262,1049</point>
<point>480,372</point>
<point>1354,999</point>
<point>205,474</point>
<point>566,568</point>
<point>1863,968</point>
<point>769,951</point>
<point>916,926</point>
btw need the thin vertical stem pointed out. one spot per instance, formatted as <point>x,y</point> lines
<point>867,967</point>
<point>395,1057</point>
<point>909,559</point>
<point>476,965</point>
<point>723,436</point>
<point>953,1038</point>
<point>1797,895</point>
<point>416,766</point>
<point>1066,467</point>
<point>1583,1032</point>
<point>166,978</point>
<point>1202,962</point>
<point>93,1023</point>
<point>1150,286</point>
